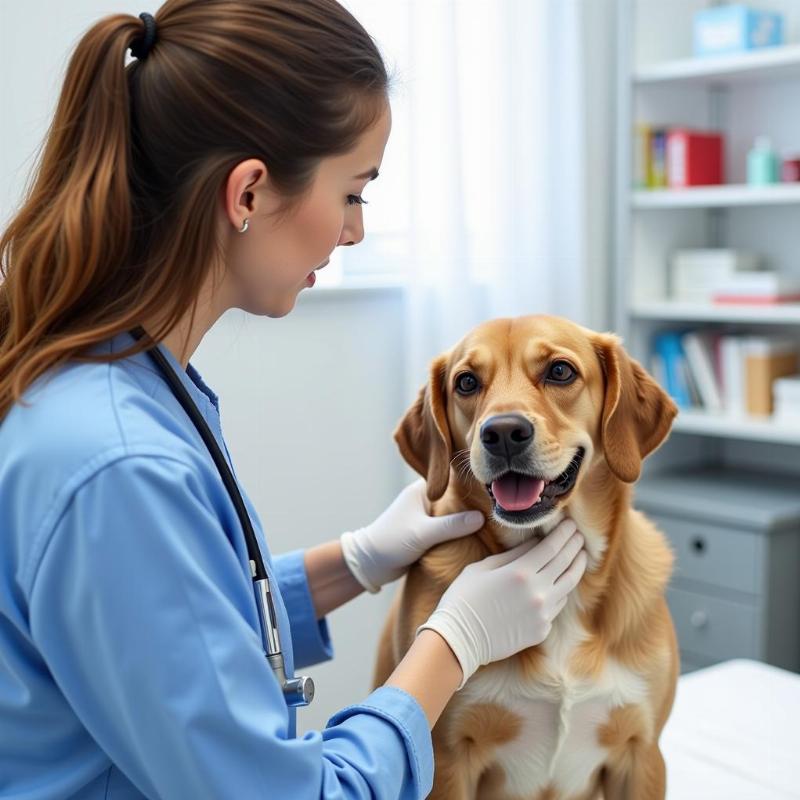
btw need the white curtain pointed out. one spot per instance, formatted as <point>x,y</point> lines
<point>510,115</point>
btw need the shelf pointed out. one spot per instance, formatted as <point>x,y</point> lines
<point>736,427</point>
<point>726,196</point>
<point>783,313</point>
<point>774,63</point>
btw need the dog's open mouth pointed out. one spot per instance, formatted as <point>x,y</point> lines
<point>520,497</point>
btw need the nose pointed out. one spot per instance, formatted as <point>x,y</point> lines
<point>352,233</point>
<point>506,434</point>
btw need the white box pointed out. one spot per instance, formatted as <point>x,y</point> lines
<point>758,283</point>
<point>787,412</point>
<point>787,388</point>
<point>695,275</point>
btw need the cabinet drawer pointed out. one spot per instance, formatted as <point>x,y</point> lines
<point>708,626</point>
<point>722,556</point>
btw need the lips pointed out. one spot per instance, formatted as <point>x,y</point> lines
<point>519,495</point>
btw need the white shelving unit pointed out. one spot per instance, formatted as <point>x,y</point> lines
<point>769,64</point>
<point>763,430</point>
<point>727,196</point>
<point>745,96</point>
<point>786,313</point>
<point>712,489</point>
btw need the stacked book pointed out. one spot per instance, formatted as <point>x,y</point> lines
<point>760,287</point>
<point>677,157</point>
<point>728,373</point>
<point>729,276</point>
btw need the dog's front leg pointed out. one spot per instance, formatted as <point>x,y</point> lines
<point>640,775</point>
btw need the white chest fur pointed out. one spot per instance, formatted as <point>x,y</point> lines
<point>558,744</point>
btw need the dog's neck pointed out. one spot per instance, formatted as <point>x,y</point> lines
<point>597,521</point>
<point>615,561</point>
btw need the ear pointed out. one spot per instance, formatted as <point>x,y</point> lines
<point>423,434</point>
<point>637,412</point>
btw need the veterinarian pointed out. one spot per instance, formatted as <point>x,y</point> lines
<point>148,637</point>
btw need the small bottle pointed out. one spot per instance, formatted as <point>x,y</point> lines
<point>762,163</point>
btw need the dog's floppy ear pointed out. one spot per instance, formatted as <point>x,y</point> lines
<point>423,434</point>
<point>637,412</point>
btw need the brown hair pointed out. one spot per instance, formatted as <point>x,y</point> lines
<point>119,222</point>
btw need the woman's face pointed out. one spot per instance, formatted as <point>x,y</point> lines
<point>273,260</point>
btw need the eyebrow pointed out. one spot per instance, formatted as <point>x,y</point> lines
<point>370,173</point>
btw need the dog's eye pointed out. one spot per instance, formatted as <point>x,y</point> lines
<point>561,372</point>
<point>466,383</point>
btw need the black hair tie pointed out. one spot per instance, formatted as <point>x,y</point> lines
<point>141,46</point>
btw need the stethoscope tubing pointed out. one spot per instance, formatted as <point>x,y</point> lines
<point>296,691</point>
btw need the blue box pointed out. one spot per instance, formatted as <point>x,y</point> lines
<point>734,28</point>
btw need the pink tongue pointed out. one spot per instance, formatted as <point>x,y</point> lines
<point>516,492</point>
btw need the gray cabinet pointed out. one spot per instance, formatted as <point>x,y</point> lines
<point>735,590</point>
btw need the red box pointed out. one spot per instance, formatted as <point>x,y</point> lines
<point>790,170</point>
<point>694,158</point>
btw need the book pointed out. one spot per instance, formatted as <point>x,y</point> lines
<point>695,401</point>
<point>668,347</point>
<point>697,273</point>
<point>766,359</point>
<point>756,299</point>
<point>694,158</point>
<point>641,156</point>
<point>700,358</point>
<point>761,286</point>
<point>732,374</point>
<point>657,177</point>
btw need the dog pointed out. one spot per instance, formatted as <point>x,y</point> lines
<point>530,420</point>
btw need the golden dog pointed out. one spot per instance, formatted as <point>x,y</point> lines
<point>530,420</point>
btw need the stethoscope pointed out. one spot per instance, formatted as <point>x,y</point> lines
<point>296,691</point>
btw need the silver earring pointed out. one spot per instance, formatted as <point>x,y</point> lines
<point>244,225</point>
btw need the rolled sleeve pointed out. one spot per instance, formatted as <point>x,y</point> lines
<point>310,636</point>
<point>412,737</point>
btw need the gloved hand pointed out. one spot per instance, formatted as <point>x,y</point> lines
<point>382,551</point>
<point>507,602</point>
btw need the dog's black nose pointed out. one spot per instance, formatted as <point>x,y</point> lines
<point>506,434</point>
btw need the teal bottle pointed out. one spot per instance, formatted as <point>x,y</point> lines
<point>763,166</point>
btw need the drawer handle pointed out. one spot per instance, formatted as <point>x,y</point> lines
<point>698,544</point>
<point>699,619</point>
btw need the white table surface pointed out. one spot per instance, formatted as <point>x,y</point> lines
<point>734,734</point>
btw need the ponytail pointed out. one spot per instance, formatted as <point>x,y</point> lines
<point>120,223</point>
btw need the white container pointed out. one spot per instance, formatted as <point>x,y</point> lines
<point>786,396</point>
<point>787,388</point>
<point>696,275</point>
<point>759,284</point>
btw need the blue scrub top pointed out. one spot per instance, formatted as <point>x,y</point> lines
<point>130,655</point>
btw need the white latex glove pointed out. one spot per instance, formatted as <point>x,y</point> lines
<point>382,551</point>
<point>507,602</point>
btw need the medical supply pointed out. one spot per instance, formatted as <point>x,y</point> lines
<point>790,170</point>
<point>695,274</point>
<point>786,398</point>
<point>766,358</point>
<point>694,158</point>
<point>762,163</point>
<point>735,28</point>
<point>296,691</point>
<point>764,286</point>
